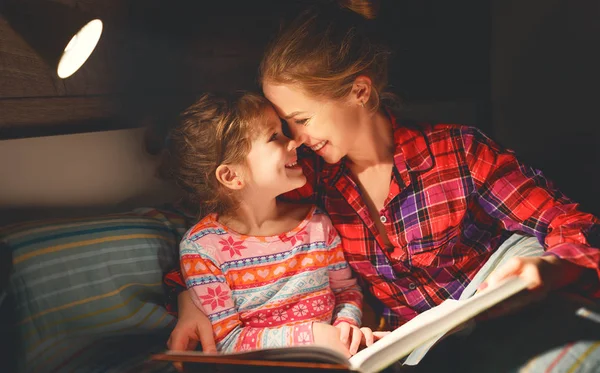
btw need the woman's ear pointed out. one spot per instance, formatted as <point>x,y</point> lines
<point>361,90</point>
<point>229,176</point>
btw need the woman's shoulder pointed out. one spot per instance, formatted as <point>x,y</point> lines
<point>410,131</point>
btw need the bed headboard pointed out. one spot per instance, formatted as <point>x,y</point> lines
<point>87,172</point>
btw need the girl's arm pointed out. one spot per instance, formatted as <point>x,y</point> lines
<point>348,294</point>
<point>347,313</point>
<point>524,200</point>
<point>211,293</point>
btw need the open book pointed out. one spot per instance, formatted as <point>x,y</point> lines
<point>417,333</point>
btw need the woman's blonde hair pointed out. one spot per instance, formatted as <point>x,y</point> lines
<point>217,129</point>
<point>324,49</point>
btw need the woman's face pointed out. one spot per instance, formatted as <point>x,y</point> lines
<point>328,127</point>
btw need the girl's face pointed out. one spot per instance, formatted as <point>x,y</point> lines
<point>272,161</point>
<point>328,127</point>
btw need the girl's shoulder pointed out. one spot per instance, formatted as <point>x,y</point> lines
<point>206,226</point>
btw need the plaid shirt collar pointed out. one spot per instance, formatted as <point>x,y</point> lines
<point>411,154</point>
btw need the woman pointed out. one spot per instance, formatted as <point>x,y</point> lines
<point>425,212</point>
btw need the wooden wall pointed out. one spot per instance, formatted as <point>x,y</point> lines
<point>156,55</point>
<point>152,55</point>
<point>32,97</point>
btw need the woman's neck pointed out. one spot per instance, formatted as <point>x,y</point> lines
<point>376,145</point>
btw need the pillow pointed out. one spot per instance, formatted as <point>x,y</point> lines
<point>77,283</point>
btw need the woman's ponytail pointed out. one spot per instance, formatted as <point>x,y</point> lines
<point>366,8</point>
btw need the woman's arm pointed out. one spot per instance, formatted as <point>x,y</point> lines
<point>524,200</point>
<point>192,327</point>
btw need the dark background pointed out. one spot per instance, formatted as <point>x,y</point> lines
<point>524,72</point>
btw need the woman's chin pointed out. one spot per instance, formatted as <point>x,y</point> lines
<point>331,158</point>
<point>329,154</point>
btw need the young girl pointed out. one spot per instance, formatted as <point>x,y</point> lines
<point>266,273</point>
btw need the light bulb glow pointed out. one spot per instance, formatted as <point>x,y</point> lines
<point>79,48</point>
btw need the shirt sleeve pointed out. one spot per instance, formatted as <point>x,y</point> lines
<point>212,295</point>
<point>348,294</point>
<point>524,200</point>
<point>173,284</point>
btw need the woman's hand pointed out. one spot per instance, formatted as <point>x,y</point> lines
<point>192,327</point>
<point>543,273</point>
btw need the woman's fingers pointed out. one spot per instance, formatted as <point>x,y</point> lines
<point>207,338</point>
<point>512,268</point>
<point>177,341</point>
<point>192,344</point>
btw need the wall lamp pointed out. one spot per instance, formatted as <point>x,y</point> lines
<point>61,35</point>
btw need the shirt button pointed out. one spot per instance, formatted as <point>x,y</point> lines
<point>412,286</point>
<point>383,219</point>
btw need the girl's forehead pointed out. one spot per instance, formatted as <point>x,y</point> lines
<point>267,122</point>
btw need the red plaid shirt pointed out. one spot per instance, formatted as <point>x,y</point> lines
<point>455,197</point>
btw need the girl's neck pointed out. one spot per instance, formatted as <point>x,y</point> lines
<point>254,217</point>
<point>376,145</point>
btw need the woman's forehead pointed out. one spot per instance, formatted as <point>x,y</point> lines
<point>288,100</point>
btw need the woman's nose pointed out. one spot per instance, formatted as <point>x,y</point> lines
<point>299,137</point>
<point>293,144</point>
<point>297,133</point>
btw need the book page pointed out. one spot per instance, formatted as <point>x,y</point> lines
<point>431,324</point>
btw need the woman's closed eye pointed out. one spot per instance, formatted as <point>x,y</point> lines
<point>302,122</point>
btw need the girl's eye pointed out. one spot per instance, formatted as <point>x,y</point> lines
<point>302,122</point>
<point>273,137</point>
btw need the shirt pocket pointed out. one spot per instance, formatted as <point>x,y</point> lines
<point>434,250</point>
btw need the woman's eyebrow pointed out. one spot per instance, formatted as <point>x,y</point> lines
<point>290,116</point>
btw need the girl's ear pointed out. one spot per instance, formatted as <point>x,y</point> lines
<point>361,90</point>
<point>230,177</point>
